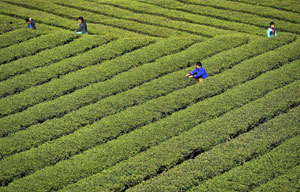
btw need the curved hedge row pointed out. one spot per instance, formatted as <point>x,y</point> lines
<point>59,71</point>
<point>143,11</point>
<point>66,128</point>
<point>287,5</point>
<point>9,24</point>
<point>162,86</point>
<point>108,49</point>
<point>104,71</point>
<point>65,23</point>
<point>163,28</point>
<point>220,158</point>
<point>154,22</point>
<point>146,165</point>
<point>262,169</point>
<point>237,97</point>
<point>49,56</point>
<point>261,11</point>
<point>34,46</point>
<point>286,182</point>
<point>18,36</point>
<point>117,84</point>
<point>22,34</point>
<point>102,26</point>
<point>131,172</point>
<point>108,113</point>
<point>227,15</point>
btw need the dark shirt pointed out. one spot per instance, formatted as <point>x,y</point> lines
<point>32,25</point>
<point>82,28</point>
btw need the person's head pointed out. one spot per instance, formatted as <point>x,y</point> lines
<point>80,19</point>
<point>28,20</point>
<point>272,25</point>
<point>198,65</point>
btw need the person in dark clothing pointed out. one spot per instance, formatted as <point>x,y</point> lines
<point>271,32</point>
<point>31,23</point>
<point>82,27</point>
<point>198,73</point>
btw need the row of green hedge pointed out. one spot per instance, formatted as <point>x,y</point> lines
<point>163,28</point>
<point>208,164</point>
<point>264,168</point>
<point>22,34</point>
<point>18,36</point>
<point>248,8</point>
<point>227,15</point>
<point>54,129</point>
<point>34,46</point>
<point>110,49</point>
<point>9,24</point>
<point>133,171</point>
<point>127,120</point>
<point>154,22</point>
<point>62,70</point>
<point>287,182</point>
<point>23,140</point>
<point>126,146</point>
<point>118,84</point>
<point>287,5</point>
<point>49,56</point>
<point>150,11</point>
<point>105,71</point>
<point>67,17</point>
<point>65,23</point>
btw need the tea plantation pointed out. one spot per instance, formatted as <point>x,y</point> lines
<point>113,110</point>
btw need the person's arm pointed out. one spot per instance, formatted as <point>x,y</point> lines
<point>191,73</point>
<point>198,74</point>
<point>80,28</point>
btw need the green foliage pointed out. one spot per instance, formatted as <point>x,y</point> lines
<point>9,24</point>
<point>135,96</point>
<point>34,46</point>
<point>50,90</point>
<point>209,25</point>
<point>104,71</point>
<point>113,110</point>
<point>17,36</point>
<point>124,63</point>
<point>133,118</point>
<point>47,57</point>
<point>288,5</point>
<point>165,156</point>
<point>228,15</point>
<point>119,29</point>
<point>223,157</point>
<point>158,23</point>
<point>264,168</point>
<point>287,182</point>
<point>248,8</point>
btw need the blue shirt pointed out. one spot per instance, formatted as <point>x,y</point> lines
<point>199,73</point>
<point>270,32</point>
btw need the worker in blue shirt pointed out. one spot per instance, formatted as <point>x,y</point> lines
<point>271,32</point>
<point>31,23</point>
<point>198,73</point>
